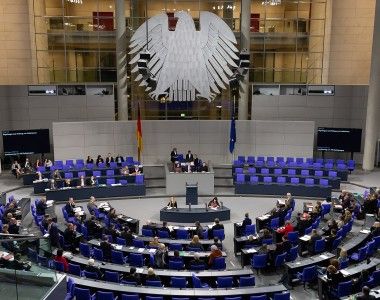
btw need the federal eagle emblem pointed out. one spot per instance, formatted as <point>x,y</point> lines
<point>184,64</point>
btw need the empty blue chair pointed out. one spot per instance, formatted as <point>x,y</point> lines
<point>308,230</point>
<point>282,296</point>
<point>91,275</point>
<point>264,171</point>
<point>280,159</point>
<point>274,223</point>
<point>309,274</point>
<point>260,158</point>
<point>58,266</point>
<point>147,232</point>
<point>85,249</point>
<point>309,181</point>
<point>110,173</point>
<point>250,229</point>
<point>112,276</point>
<point>267,180</point>
<point>156,283</point>
<point>281,180</point>
<point>332,174</point>
<point>105,296</point>
<point>374,279</point>
<point>110,181</point>
<point>267,241</point>
<point>305,173</point>
<point>336,243</point>
<point>41,169</point>
<point>280,260</point>
<point>371,248</point>
<point>293,254</point>
<point>271,164</point>
<point>200,267</point>
<point>232,298</point>
<point>294,180</point>
<point>329,166</point>
<point>240,178</point>
<point>219,263</point>
<point>291,172</point>
<point>299,160</point>
<point>341,167</point>
<point>246,281</point>
<point>96,173</point>
<point>163,234</point>
<point>343,264</point>
<point>251,170</point>
<point>89,166</point>
<point>254,179</point>
<point>289,159</point>
<point>81,173</point>
<point>139,179</point>
<point>351,165</point>
<point>197,282</point>
<point>219,233</point>
<point>69,175</point>
<point>259,163</point>
<point>317,165</point>
<point>98,254</point>
<point>117,257</point>
<point>224,282</point>
<point>260,297</point>
<point>178,282</point>
<point>182,234</point>
<point>123,181</point>
<point>43,261</point>
<point>74,269</point>
<point>238,170</point>
<point>238,163</point>
<point>176,265</point>
<point>83,294</point>
<point>250,160</point>
<point>277,171</point>
<point>174,246</point>
<point>318,173</point>
<point>360,255</point>
<point>293,237</point>
<point>288,215</point>
<point>121,241</point>
<point>319,246</point>
<point>113,165</point>
<point>241,158</point>
<point>344,289</point>
<point>136,259</point>
<point>259,261</point>
<point>323,182</point>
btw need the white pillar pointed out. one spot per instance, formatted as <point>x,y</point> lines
<point>245,43</point>
<point>121,60</point>
<point>373,104</point>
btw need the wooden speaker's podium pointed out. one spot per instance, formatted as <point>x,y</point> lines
<point>192,193</point>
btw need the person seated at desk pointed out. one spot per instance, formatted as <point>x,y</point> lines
<point>48,163</point>
<point>16,169</point>
<point>214,203</point>
<point>99,160</point>
<point>375,229</point>
<point>289,201</point>
<point>246,221</point>
<point>56,175</point>
<point>119,159</point>
<point>124,171</point>
<point>91,205</point>
<point>317,209</point>
<point>217,225</point>
<point>112,231</point>
<point>347,216</point>
<point>112,215</point>
<point>196,261</point>
<point>195,243</point>
<point>127,235</point>
<point>27,166</point>
<point>70,237</point>
<point>215,253</point>
<point>92,181</point>
<point>92,269</point>
<point>109,159</point>
<point>12,208</point>
<point>78,219</point>
<point>132,276</point>
<point>19,264</point>
<point>60,258</point>
<point>39,176</point>
<point>263,249</point>
<point>172,203</point>
<point>155,243</point>
<point>161,256</point>
<point>45,221</point>
<point>177,167</point>
<point>151,276</point>
<point>264,234</point>
<point>7,218</point>
<point>52,184</point>
<point>89,160</point>
<point>189,156</point>
<point>347,200</point>
<point>93,227</point>
<point>53,233</point>
<point>165,228</point>
<point>285,229</point>
<point>330,239</point>
<point>41,207</point>
<point>334,277</point>
<point>303,221</point>
<point>203,168</point>
<point>251,242</point>
<point>13,228</point>
<point>37,164</point>
<point>69,207</point>
<point>198,229</point>
<point>331,224</point>
<point>314,236</point>
<point>365,294</point>
<point>343,257</point>
<point>82,181</point>
<point>67,183</point>
<point>106,247</point>
<point>136,171</point>
<point>196,163</point>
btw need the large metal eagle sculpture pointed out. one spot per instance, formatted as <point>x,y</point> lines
<point>184,64</point>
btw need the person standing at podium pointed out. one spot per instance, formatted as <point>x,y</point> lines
<point>172,203</point>
<point>214,203</point>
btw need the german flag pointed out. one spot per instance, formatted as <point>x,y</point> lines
<point>139,133</point>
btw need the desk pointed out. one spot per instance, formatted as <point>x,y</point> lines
<point>61,228</point>
<point>97,192</point>
<point>184,215</point>
<point>348,273</point>
<point>175,292</point>
<point>281,189</point>
<point>239,243</point>
<point>301,263</point>
<point>176,182</point>
<point>354,243</point>
<point>146,239</point>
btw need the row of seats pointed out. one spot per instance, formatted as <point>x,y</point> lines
<point>112,165</point>
<point>279,171</point>
<point>298,160</point>
<point>183,234</point>
<point>240,179</point>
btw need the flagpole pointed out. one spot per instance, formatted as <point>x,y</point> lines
<point>233,113</point>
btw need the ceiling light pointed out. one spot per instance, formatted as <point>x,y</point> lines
<point>271,2</point>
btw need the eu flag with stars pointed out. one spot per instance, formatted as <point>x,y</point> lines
<point>232,134</point>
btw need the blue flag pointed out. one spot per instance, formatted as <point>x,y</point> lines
<point>232,134</point>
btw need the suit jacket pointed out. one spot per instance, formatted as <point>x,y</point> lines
<point>69,209</point>
<point>40,208</point>
<point>246,221</point>
<point>173,156</point>
<point>53,235</point>
<point>91,208</point>
<point>109,160</point>
<point>119,159</point>
<point>189,157</point>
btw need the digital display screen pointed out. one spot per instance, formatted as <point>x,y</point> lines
<point>24,142</point>
<point>339,139</point>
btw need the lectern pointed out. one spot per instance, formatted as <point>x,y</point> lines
<point>192,194</point>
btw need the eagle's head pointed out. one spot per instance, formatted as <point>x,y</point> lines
<point>184,19</point>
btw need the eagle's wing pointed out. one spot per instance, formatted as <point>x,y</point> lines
<point>158,35</point>
<point>217,42</point>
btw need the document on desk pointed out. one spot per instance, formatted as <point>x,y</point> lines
<point>129,219</point>
<point>263,217</point>
<point>366,231</point>
<point>345,273</point>
<point>141,250</point>
<point>77,209</point>
<point>139,270</point>
<point>252,250</point>
<point>323,256</point>
<point>152,250</point>
<point>118,247</point>
<point>49,203</point>
<point>305,238</point>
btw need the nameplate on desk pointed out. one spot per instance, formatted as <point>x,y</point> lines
<point>116,184</point>
<point>337,206</point>
<point>305,238</point>
<point>129,219</point>
<point>252,250</point>
<point>323,256</point>
<point>239,223</point>
<point>140,270</point>
<point>118,247</point>
<point>366,231</point>
<point>131,248</point>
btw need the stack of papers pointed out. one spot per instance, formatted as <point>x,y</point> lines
<point>141,250</point>
<point>345,273</point>
<point>366,231</point>
<point>323,256</point>
<point>49,203</point>
<point>118,247</point>
<point>152,250</point>
<point>252,250</point>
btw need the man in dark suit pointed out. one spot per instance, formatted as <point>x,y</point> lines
<point>13,227</point>
<point>92,269</point>
<point>69,207</point>
<point>70,237</point>
<point>189,156</point>
<point>109,159</point>
<point>53,233</point>
<point>313,238</point>
<point>246,221</point>
<point>173,155</point>
<point>119,159</point>
<point>106,246</point>
<point>364,295</point>
<point>41,207</point>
